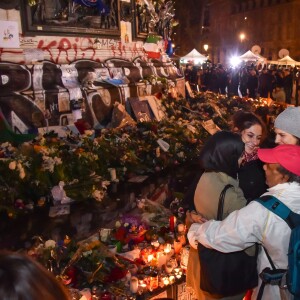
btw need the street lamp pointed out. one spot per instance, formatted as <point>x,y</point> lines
<point>205,47</point>
<point>242,37</point>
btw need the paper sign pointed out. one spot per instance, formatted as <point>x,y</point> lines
<point>33,55</point>
<point>9,34</point>
<point>155,105</point>
<point>126,36</point>
<point>163,145</point>
<point>162,295</point>
<point>210,126</point>
<point>189,89</point>
<point>62,131</point>
<point>59,210</point>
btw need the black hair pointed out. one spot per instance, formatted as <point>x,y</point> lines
<point>23,278</point>
<point>221,153</point>
<point>292,177</point>
<point>244,120</point>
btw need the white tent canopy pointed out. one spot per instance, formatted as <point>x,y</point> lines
<point>250,56</point>
<point>195,56</point>
<point>287,60</point>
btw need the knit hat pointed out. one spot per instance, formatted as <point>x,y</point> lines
<point>289,121</point>
<point>287,156</point>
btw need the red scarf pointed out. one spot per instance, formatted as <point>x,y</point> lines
<point>249,157</point>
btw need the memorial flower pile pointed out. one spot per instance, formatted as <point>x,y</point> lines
<point>85,163</point>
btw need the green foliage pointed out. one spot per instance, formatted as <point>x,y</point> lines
<point>30,171</point>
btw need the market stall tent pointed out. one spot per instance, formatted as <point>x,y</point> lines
<point>194,56</point>
<point>262,59</point>
<point>250,56</point>
<point>288,61</point>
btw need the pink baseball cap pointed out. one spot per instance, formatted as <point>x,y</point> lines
<point>287,156</point>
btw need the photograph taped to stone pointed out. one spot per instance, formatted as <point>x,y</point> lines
<point>140,109</point>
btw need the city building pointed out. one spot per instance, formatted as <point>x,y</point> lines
<point>223,28</point>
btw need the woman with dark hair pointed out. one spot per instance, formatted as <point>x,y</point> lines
<point>251,174</point>
<point>23,278</point>
<point>220,160</point>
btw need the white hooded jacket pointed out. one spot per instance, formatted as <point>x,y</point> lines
<point>254,224</point>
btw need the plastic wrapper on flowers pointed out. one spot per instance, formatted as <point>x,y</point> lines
<point>153,213</point>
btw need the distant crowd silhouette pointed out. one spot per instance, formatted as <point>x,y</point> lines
<point>282,84</point>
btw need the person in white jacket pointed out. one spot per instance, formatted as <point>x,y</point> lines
<point>255,223</point>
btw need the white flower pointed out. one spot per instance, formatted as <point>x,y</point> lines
<point>181,154</point>
<point>118,224</point>
<point>87,253</point>
<point>12,165</point>
<point>50,244</point>
<point>4,145</point>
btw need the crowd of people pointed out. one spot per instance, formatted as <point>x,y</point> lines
<point>246,81</point>
<point>239,159</point>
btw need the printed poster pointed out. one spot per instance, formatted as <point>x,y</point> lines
<point>9,34</point>
<point>210,126</point>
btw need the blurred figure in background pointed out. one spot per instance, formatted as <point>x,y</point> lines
<point>288,85</point>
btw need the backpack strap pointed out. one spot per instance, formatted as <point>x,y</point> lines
<point>280,209</point>
<point>274,276</point>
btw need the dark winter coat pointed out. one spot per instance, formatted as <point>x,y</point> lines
<point>252,179</point>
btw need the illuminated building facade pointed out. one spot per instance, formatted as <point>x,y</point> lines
<point>230,27</point>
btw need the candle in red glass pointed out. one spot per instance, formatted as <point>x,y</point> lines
<point>172,222</point>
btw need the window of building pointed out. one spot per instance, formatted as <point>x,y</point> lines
<point>206,20</point>
<point>233,9</point>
